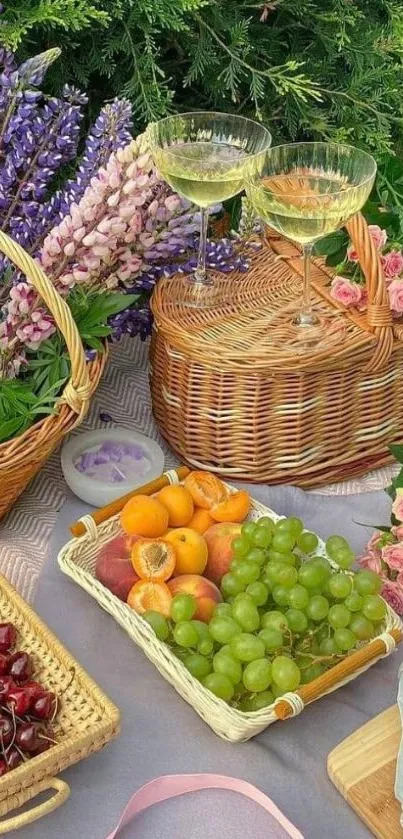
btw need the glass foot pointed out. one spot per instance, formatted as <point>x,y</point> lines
<point>194,295</point>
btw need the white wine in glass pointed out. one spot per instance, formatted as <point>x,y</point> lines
<point>306,191</point>
<point>206,156</point>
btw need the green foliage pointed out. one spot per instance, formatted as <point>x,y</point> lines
<point>34,395</point>
<point>308,68</point>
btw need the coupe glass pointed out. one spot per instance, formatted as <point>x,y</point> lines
<point>306,191</point>
<point>206,156</point>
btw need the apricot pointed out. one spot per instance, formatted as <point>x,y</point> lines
<point>153,559</point>
<point>179,504</point>
<point>206,489</point>
<point>201,520</point>
<point>146,594</point>
<point>234,508</point>
<point>190,550</point>
<point>219,540</point>
<point>114,567</point>
<point>144,516</point>
<point>204,591</point>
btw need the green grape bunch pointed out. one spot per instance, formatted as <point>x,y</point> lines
<point>290,611</point>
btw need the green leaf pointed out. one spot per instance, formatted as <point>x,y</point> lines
<point>397,451</point>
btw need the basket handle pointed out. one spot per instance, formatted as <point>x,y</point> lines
<point>379,315</point>
<point>77,392</point>
<point>29,816</point>
<point>332,678</point>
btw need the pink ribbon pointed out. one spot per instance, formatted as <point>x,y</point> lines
<point>170,786</point>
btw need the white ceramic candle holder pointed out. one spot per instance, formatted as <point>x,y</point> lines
<point>102,465</point>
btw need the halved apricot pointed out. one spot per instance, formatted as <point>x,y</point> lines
<point>234,508</point>
<point>153,559</point>
<point>206,489</point>
<point>146,594</point>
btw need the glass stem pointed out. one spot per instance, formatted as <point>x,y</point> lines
<point>306,288</point>
<point>200,274</point>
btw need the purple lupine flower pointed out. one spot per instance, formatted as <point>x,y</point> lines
<point>34,69</point>
<point>110,131</point>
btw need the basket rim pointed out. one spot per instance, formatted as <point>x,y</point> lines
<point>62,753</point>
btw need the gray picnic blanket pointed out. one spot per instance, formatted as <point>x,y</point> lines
<point>161,734</point>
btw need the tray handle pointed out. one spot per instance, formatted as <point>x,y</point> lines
<point>23,819</point>
<point>336,675</point>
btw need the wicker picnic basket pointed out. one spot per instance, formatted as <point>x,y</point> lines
<point>231,395</point>
<point>22,457</point>
<point>78,558</point>
<point>85,722</point>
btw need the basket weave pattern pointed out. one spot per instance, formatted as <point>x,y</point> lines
<point>22,458</point>
<point>78,559</point>
<point>86,720</point>
<point>228,399</point>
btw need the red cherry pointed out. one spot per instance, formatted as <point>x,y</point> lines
<point>6,684</point>
<point>44,706</point>
<point>13,758</point>
<point>34,690</point>
<point>3,664</point>
<point>3,768</point>
<point>26,737</point>
<point>8,637</point>
<point>19,700</point>
<point>6,731</point>
<point>20,666</point>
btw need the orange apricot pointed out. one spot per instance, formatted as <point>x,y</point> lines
<point>201,520</point>
<point>153,559</point>
<point>190,550</point>
<point>234,508</point>
<point>179,504</point>
<point>144,516</point>
<point>146,594</point>
<point>206,489</point>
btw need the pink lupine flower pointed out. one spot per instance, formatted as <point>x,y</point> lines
<point>346,292</point>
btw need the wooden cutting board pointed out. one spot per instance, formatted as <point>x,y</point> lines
<point>363,769</point>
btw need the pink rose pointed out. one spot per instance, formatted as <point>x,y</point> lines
<point>395,290</point>
<point>392,264</point>
<point>345,292</point>
<point>373,544</point>
<point>393,594</point>
<point>397,507</point>
<point>373,562</point>
<point>397,531</point>
<point>393,556</point>
<point>378,236</point>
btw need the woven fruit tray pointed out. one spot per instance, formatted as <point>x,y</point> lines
<point>78,558</point>
<point>86,719</point>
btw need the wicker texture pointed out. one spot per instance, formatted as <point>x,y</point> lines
<point>229,399</point>
<point>78,559</point>
<point>86,720</point>
<point>22,457</point>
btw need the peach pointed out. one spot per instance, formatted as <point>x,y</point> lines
<point>114,567</point>
<point>204,591</point>
<point>219,540</point>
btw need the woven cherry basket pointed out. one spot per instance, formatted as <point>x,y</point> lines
<point>232,394</point>
<point>22,457</point>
